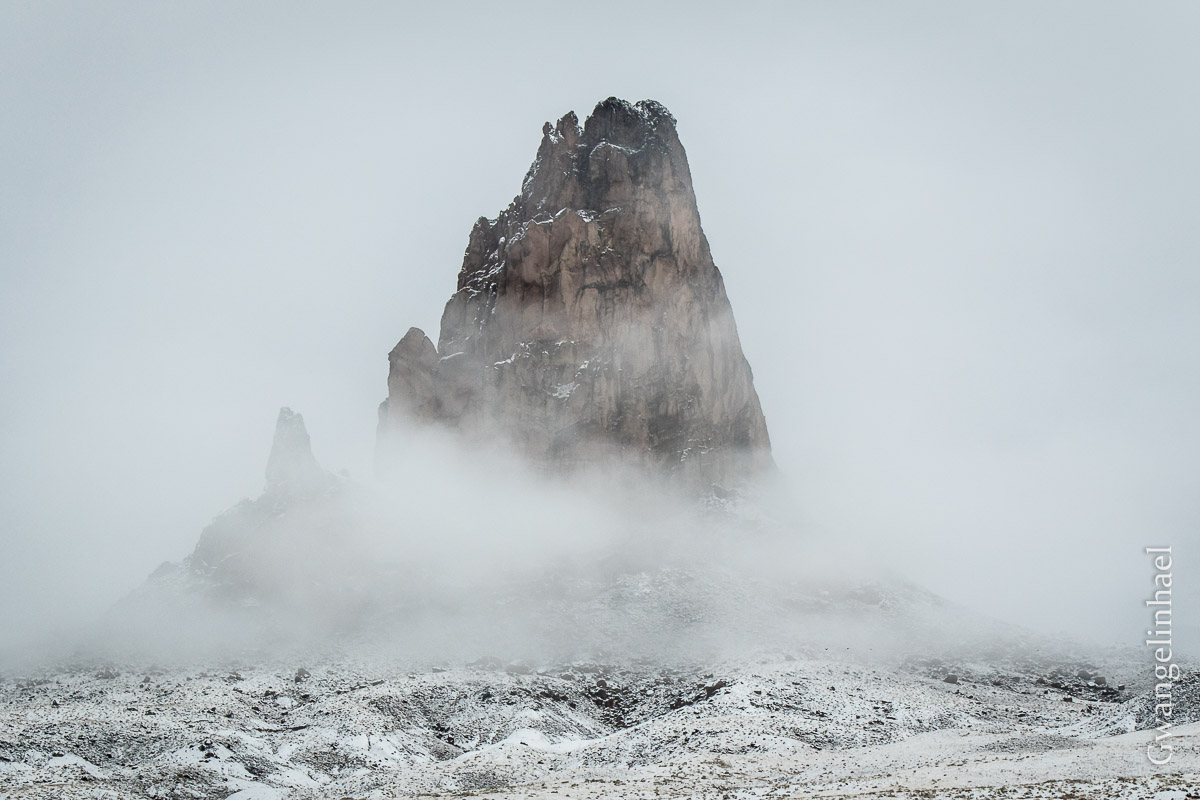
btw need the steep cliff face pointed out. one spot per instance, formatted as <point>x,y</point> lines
<point>590,324</point>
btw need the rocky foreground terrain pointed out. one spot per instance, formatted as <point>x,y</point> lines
<point>799,724</point>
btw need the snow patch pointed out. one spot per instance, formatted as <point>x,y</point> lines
<point>508,360</point>
<point>258,791</point>
<point>531,737</point>
<point>76,761</point>
<point>564,390</point>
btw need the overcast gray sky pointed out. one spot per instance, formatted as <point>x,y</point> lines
<point>960,240</point>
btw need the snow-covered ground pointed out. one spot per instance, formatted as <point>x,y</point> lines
<point>802,724</point>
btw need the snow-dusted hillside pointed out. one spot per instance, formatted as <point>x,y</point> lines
<point>788,725</point>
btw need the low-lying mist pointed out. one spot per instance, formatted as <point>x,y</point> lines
<point>456,553</point>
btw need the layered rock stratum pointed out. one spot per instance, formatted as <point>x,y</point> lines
<point>589,324</point>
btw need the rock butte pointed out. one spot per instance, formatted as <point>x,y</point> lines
<point>590,325</point>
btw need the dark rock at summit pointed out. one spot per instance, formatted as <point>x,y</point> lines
<point>589,324</point>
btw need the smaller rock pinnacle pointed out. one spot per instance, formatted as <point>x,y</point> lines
<point>291,463</point>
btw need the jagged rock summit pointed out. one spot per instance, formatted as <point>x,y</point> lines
<point>590,325</point>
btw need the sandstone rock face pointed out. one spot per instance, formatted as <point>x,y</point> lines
<point>590,325</point>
